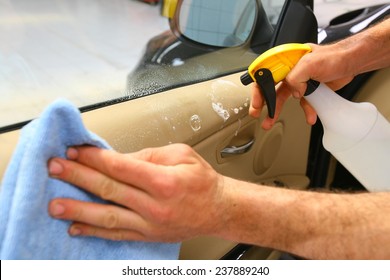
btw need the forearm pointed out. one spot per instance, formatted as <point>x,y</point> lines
<point>310,224</point>
<point>368,50</point>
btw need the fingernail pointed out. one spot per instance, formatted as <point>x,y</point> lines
<point>55,168</point>
<point>72,153</point>
<point>57,209</point>
<point>74,230</point>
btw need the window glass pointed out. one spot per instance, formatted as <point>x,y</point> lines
<point>80,50</point>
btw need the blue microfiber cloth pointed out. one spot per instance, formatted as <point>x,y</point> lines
<point>26,229</point>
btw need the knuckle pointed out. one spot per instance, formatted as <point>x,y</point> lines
<point>88,230</point>
<point>108,190</point>
<point>184,149</point>
<point>92,231</point>
<point>168,185</point>
<point>77,214</point>
<point>162,215</point>
<point>110,220</point>
<point>146,153</point>
<point>117,235</point>
<point>168,189</point>
<point>115,165</point>
<point>72,175</point>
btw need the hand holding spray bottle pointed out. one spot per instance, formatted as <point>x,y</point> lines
<point>356,134</point>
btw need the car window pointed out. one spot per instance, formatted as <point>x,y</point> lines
<point>94,53</point>
<point>272,9</point>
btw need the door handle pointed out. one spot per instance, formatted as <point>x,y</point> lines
<point>234,150</point>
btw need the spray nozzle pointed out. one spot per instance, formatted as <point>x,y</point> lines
<point>271,67</point>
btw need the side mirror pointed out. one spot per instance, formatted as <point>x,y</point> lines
<point>217,23</point>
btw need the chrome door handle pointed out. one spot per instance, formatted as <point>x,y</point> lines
<point>233,150</point>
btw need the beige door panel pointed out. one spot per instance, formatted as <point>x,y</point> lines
<point>187,114</point>
<point>278,154</point>
<point>209,116</point>
<point>377,91</point>
<point>7,145</point>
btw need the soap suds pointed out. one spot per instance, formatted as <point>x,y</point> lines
<point>222,112</point>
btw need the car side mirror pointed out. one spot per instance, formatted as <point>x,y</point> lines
<point>217,23</point>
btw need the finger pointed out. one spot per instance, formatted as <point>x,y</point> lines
<point>127,169</point>
<point>257,101</point>
<point>98,184</point>
<point>97,215</point>
<point>80,229</point>
<point>340,83</point>
<point>297,78</point>
<point>310,113</point>
<point>282,93</point>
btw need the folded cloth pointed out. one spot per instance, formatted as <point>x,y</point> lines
<point>26,229</point>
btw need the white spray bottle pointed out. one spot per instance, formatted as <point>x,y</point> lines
<point>356,134</point>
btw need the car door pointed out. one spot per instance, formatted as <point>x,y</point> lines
<point>210,113</point>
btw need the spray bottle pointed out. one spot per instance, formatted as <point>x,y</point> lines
<point>356,134</point>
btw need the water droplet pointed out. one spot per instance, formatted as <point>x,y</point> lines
<point>195,122</point>
<point>239,127</point>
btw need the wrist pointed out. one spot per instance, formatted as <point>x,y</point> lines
<point>223,207</point>
<point>240,216</point>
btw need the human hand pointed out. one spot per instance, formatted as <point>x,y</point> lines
<point>326,64</point>
<point>161,194</point>
<point>282,93</point>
